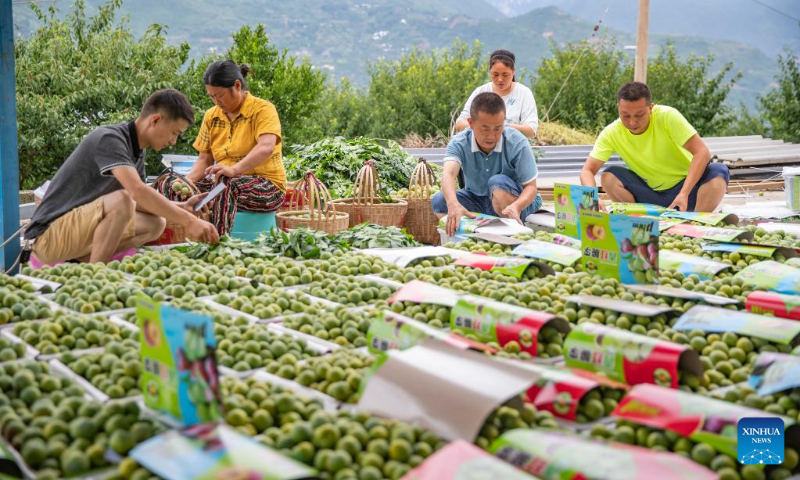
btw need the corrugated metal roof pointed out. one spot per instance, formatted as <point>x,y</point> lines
<point>739,153</point>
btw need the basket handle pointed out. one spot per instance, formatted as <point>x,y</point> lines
<point>368,185</point>
<point>315,195</point>
<point>422,177</point>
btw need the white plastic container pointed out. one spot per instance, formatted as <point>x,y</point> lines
<point>791,183</point>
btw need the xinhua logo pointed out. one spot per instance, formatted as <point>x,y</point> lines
<point>760,441</point>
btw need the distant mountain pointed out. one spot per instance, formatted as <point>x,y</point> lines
<point>343,36</point>
<point>738,20</point>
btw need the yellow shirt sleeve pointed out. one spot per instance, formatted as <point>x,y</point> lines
<point>266,120</point>
<point>203,142</point>
<point>603,146</point>
<point>678,128</point>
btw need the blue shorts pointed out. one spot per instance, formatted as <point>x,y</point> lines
<point>478,204</point>
<point>642,192</point>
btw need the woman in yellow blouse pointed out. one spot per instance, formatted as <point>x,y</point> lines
<point>240,144</point>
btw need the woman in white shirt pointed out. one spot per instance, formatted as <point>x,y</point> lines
<point>520,105</point>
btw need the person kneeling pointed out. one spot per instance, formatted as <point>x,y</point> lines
<point>498,164</point>
<point>98,203</point>
<point>667,161</point>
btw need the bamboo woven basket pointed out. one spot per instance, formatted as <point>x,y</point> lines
<point>174,232</point>
<point>291,192</point>
<point>367,204</point>
<point>311,198</point>
<point>421,222</point>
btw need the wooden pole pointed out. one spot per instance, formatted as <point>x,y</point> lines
<point>640,66</point>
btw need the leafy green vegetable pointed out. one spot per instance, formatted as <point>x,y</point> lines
<point>227,246</point>
<point>336,162</point>
<point>368,235</point>
<point>299,243</point>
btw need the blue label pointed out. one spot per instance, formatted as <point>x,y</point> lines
<point>775,372</point>
<point>760,441</point>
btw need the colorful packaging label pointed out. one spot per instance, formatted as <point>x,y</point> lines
<point>492,321</point>
<point>513,267</point>
<point>487,224</point>
<point>569,201</point>
<point>772,303</point>
<point>180,375</point>
<point>548,252</point>
<point>755,250</point>
<point>775,372</point>
<point>459,460</point>
<point>417,291</point>
<point>391,331</point>
<point>620,246</point>
<point>682,293</point>
<point>566,241</point>
<point>771,275</point>
<point>699,418</point>
<point>712,320</point>
<point>621,306</point>
<point>214,451</point>
<point>628,357</point>
<point>635,209</point>
<point>552,455</point>
<point>689,264</point>
<point>710,233</point>
<point>559,392</point>
<point>706,218</point>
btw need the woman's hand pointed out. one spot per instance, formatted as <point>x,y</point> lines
<point>223,170</point>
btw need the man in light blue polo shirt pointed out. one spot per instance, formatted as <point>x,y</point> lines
<point>498,164</point>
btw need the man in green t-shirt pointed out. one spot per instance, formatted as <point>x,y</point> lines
<point>668,164</point>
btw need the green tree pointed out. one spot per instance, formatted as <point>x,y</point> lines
<point>689,87</point>
<point>580,81</point>
<point>781,106</point>
<point>293,86</point>
<point>344,112</point>
<point>81,72</point>
<point>587,100</point>
<point>420,92</point>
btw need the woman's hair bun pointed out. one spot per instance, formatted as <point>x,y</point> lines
<point>245,69</point>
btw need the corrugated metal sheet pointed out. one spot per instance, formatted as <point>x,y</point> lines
<point>739,153</point>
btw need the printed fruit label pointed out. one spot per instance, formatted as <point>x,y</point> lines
<point>773,303</point>
<point>775,372</point>
<point>549,252</point>
<point>459,460</point>
<point>690,264</point>
<point>492,321</point>
<point>755,250</point>
<point>391,331</point>
<point>513,267</point>
<point>621,306</point>
<point>214,451</point>
<point>559,391</point>
<point>417,291</point>
<point>566,241</point>
<point>713,320</point>
<point>635,209</point>
<point>570,200</point>
<point>180,370</point>
<point>699,418</point>
<point>682,293</point>
<point>710,233</point>
<point>771,275</point>
<point>706,218</point>
<point>620,246</point>
<point>628,357</point>
<point>552,455</point>
<point>663,223</point>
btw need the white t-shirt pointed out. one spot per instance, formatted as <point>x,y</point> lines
<point>520,105</point>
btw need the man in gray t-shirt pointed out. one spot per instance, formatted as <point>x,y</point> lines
<point>98,203</point>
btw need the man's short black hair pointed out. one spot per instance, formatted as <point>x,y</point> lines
<point>171,104</point>
<point>487,102</point>
<point>633,91</point>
